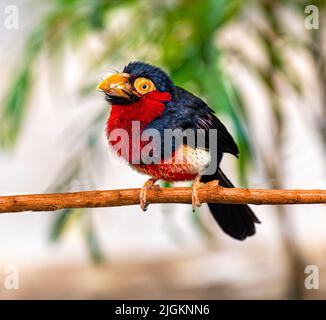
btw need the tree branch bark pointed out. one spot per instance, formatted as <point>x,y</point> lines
<point>111,198</point>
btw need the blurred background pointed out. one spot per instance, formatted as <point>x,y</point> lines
<point>258,64</point>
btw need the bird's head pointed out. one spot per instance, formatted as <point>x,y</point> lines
<point>137,81</point>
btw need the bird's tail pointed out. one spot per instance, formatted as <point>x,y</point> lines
<point>237,220</point>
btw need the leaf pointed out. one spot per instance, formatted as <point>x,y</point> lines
<point>14,108</point>
<point>63,220</point>
<point>92,242</point>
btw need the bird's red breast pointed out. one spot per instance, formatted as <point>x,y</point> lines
<point>184,164</point>
<point>141,112</point>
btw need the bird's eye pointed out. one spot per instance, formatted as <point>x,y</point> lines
<point>143,85</point>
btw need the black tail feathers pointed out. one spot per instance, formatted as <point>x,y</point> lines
<point>237,220</point>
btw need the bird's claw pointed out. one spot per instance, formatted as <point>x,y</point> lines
<point>149,184</point>
<point>195,199</point>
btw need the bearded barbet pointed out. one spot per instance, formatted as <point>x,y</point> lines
<point>143,96</point>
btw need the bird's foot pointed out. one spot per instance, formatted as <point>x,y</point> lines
<point>149,184</point>
<point>195,186</point>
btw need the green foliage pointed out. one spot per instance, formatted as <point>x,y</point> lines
<point>92,242</point>
<point>62,221</point>
<point>14,107</point>
<point>69,217</point>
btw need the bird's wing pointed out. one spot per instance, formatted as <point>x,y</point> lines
<point>187,111</point>
<point>200,116</point>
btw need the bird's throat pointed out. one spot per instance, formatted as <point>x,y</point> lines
<point>130,120</point>
<point>149,107</point>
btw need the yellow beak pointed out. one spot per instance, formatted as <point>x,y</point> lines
<point>117,85</point>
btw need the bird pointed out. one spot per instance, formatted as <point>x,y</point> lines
<point>143,96</point>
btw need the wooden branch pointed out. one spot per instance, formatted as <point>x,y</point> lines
<point>111,198</point>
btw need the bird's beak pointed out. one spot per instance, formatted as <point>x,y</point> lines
<point>117,85</point>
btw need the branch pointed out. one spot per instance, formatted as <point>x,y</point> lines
<point>110,198</point>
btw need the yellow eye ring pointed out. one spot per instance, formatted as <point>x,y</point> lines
<point>143,85</point>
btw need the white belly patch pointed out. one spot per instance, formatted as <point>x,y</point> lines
<point>199,159</point>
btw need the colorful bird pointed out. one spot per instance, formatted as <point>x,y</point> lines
<point>145,98</point>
